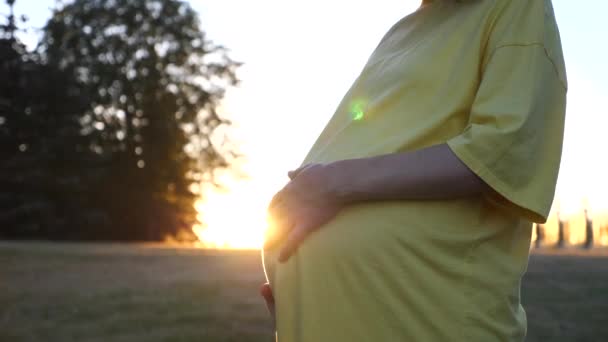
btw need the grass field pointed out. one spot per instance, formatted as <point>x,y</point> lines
<point>113,292</point>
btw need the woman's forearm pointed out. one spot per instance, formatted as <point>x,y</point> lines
<point>430,173</point>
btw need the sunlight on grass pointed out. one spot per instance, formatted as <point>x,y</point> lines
<point>111,292</point>
<point>121,292</point>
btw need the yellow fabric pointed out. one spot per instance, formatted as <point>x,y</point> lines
<point>487,77</point>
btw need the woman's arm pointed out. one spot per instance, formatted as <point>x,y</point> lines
<point>317,192</point>
<point>430,173</point>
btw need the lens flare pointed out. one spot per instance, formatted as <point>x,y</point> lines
<point>357,110</point>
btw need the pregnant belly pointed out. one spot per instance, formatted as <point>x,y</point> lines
<point>371,238</point>
<point>269,261</point>
<point>402,268</point>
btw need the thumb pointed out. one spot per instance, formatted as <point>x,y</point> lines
<point>294,173</point>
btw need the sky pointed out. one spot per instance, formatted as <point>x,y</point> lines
<point>292,47</point>
<point>301,56</point>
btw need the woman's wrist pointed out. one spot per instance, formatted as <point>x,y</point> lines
<point>341,180</point>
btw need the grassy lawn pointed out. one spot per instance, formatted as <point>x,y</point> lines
<point>113,292</point>
<point>565,294</point>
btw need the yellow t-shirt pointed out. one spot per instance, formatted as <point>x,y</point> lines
<point>487,77</point>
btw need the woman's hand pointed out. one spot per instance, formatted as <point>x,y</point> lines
<point>266,293</point>
<point>305,204</point>
<point>317,192</point>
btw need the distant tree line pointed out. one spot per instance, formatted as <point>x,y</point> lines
<point>109,124</point>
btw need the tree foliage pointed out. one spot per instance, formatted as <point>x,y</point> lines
<point>109,123</point>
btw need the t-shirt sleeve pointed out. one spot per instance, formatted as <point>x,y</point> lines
<point>513,140</point>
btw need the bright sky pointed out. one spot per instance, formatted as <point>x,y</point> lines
<point>301,57</point>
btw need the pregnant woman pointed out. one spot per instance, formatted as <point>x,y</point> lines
<point>410,218</point>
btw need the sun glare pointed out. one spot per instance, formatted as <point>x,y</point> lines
<point>231,220</point>
<point>237,220</point>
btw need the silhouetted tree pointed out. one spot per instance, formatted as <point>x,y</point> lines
<point>121,123</point>
<point>40,143</point>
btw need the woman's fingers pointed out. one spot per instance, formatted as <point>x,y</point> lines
<point>266,293</point>
<point>276,200</point>
<point>294,239</point>
<point>280,222</point>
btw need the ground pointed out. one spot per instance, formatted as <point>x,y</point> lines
<point>114,292</point>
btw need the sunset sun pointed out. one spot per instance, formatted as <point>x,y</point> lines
<point>231,220</point>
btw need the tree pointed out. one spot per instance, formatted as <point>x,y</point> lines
<point>38,123</point>
<point>150,83</point>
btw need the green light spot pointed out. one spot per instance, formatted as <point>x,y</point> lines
<point>357,115</point>
<point>357,110</point>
